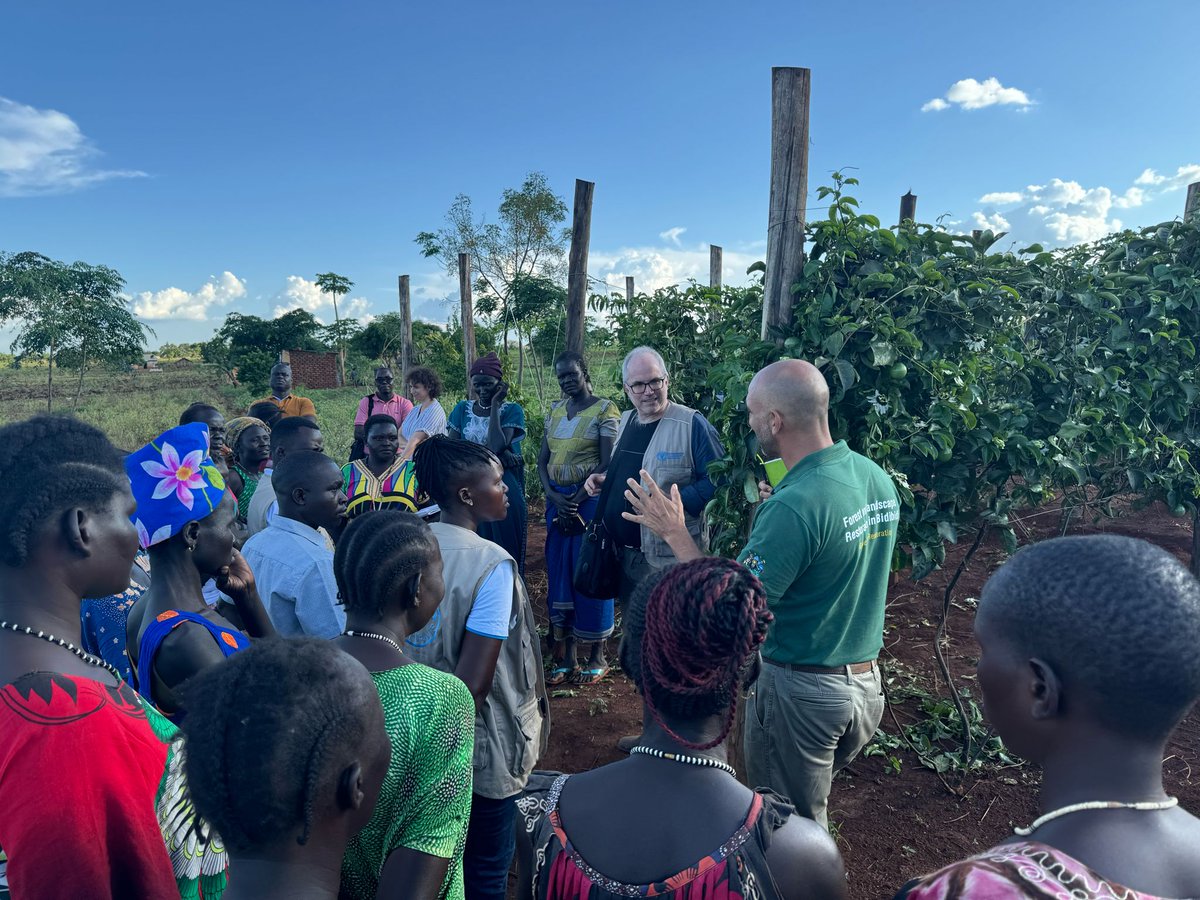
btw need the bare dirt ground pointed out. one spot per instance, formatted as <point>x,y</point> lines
<point>893,826</point>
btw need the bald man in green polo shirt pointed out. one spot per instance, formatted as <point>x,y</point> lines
<point>822,544</point>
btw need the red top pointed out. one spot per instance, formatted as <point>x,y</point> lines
<point>79,771</point>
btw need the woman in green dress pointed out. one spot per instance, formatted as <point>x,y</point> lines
<point>389,574</point>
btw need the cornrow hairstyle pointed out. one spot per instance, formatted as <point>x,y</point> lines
<point>691,635</point>
<point>268,732</point>
<point>574,356</point>
<point>443,465</point>
<point>288,427</point>
<point>377,419</point>
<point>377,557</point>
<point>50,464</point>
<point>198,412</point>
<point>1118,619</point>
<point>427,378</point>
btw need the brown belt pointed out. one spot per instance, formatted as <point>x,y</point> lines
<point>855,668</point>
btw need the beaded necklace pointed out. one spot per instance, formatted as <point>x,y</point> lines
<point>375,637</point>
<point>78,651</point>
<point>703,761</point>
<point>1142,805</point>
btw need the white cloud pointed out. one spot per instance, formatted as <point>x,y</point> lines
<point>672,235</point>
<point>176,303</point>
<point>995,222</point>
<point>43,151</point>
<point>300,293</point>
<point>655,267</point>
<point>1183,176</point>
<point>1002,198</point>
<point>1132,197</point>
<point>972,94</point>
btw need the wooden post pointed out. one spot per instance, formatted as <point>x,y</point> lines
<point>908,207</point>
<point>577,263</point>
<point>1191,208</point>
<point>714,266</point>
<point>790,90</point>
<point>467,313</point>
<point>628,287</point>
<point>406,343</point>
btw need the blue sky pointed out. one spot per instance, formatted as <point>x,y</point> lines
<point>219,157</point>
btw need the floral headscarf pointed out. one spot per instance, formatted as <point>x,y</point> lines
<point>174,482</point>
<point>234,428</point>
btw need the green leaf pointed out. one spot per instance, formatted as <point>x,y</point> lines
<point>948,532</point>
<point>750,487</point>
<point>847,374</point>
<point>882,353</point>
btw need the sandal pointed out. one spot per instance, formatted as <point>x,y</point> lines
<point>561,675</point>
<point>590,676</point>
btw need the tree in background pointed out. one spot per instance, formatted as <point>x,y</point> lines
<point>71,314</point>
<point>527,240</point>
<point>249,345</point>
<point>181,351</point>
<point>336,286</point>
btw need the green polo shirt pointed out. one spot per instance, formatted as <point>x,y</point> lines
<point>822,545</point>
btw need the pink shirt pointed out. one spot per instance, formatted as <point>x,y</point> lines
<point>398,407</point>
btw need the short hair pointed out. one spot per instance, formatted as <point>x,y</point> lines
<point>1118,620</point>
<point>427,378</point>
<point>266,733</point>
<point>692,632</point>
<point>639,351</point>
<point>281,365</point>
<point>49,464</point>
<point>443,465</point>
<point>287,428</point>
<point>574,356</point>
<point>265,410</point>
<point>377,556</point>
<point>198,412</point>
<point>377,419</point>
<point>298,469</point>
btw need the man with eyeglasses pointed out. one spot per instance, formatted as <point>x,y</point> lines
<point>383,400</point>
<point>674,444</point>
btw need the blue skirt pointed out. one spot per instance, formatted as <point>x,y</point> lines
<point>590,619</point>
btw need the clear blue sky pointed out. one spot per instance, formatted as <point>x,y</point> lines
<point>275,141</point>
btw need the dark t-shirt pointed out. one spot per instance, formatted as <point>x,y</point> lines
<point>626,463</point>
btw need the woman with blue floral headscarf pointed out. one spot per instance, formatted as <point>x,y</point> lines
<point>185,518</point>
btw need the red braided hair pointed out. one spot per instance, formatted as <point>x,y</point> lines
<point>704,621</point>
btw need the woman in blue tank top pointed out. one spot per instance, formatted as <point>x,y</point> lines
<point>185,518</point>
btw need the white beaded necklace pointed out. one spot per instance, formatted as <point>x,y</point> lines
<point>1143,805</point>
<point>704,761</point>
<point>375,637</point>
<point>67,645</point>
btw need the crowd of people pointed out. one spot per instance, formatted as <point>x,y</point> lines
<point>233,666</point>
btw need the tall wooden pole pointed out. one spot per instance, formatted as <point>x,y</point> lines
<point>406,342</point>
<point>908,207</point>
<point>790,90</point>
<point>467,313</point>
<point>577,263</point>
<point>1191,208</point>
<point>714,266</point>
<point>629,287</point>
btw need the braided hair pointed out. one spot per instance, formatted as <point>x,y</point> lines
<point>377,558</point>
<point>268,732</point>
<point>691,635</point>
<point>50,464</point>
<point>443,465</point>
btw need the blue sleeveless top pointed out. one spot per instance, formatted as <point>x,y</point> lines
<point>227,639</point>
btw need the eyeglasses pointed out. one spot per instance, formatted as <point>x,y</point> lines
<point>640,387</point>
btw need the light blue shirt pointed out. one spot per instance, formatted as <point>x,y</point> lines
<point>294,572</point>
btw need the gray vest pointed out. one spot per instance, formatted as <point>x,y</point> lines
<point>512,726</point>
<point>669,461</point>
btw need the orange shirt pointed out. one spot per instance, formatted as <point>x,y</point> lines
<point>291,405</point>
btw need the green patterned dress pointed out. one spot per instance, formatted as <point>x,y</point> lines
<point>425,802</point>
